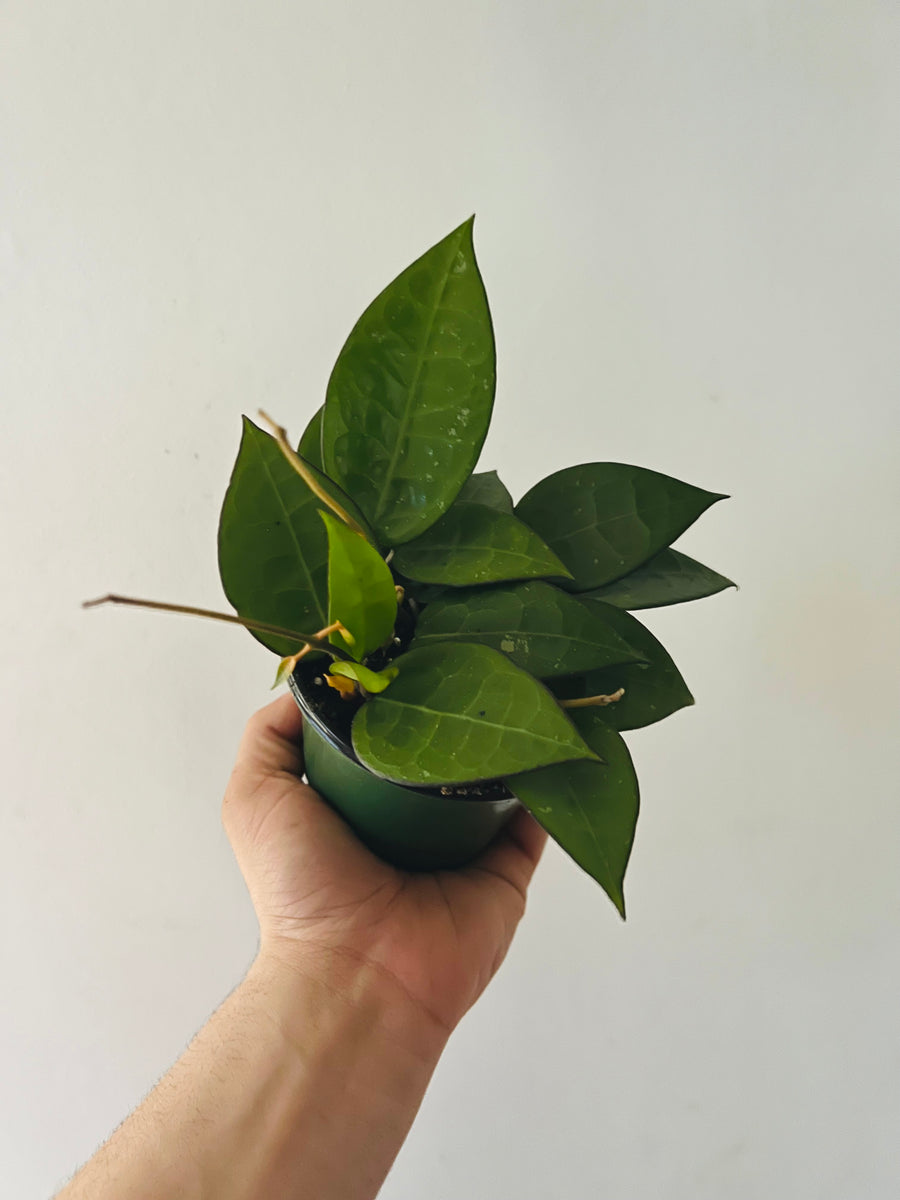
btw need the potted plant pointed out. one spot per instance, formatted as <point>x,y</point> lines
<point>454,654</point>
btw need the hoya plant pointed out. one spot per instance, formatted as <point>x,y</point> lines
<point>462,644</point>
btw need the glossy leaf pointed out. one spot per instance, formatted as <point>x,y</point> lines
<point>409,400</point>
<point>461,713</point>
<point>668,578</point>
<point>652,692</point>
<point>310,448</point>
<point>486,487</point>
<point>273,551</point>
<point>606,519</point>
<point>589,808</point>
<point>361,592</point>
<point>372,681</point>
<point>473,544</point>
<point>543,630</point>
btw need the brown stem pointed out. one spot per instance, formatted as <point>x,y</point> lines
<point>315,641</point>
<point>280,435</point>
<point>594,701</point>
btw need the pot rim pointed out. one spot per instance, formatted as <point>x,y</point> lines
<point>345,748</point>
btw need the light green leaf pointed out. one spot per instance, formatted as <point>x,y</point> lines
<point>372,681</point>
<point>474,544</point>
<point>588,808</point>
<point>606,519</point>
<point>543,630</point>
<point>668,578</point>
<point>285,668</point>
<point>273,551</point>
<point>361,592</point>
<point>409,400</point>
<point>461,713</point>
<point>652,692</point>
<point>486,487</point>
<point>310,448</point>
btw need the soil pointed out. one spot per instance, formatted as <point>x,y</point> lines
<point>336,712</point>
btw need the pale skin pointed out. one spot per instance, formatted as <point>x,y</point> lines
<point>306,1080</point>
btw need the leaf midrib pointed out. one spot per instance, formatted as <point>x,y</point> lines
<point>480,721</point>
<point>531,633</point>
<point>407,413</point>
<point>634,514</point>
<point>290,524</point>
<point>486,551</point>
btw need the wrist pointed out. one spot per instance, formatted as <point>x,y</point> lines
<point>293,980</point>
<point>345,1060</point>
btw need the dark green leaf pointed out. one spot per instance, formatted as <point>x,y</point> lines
<point>606,519</point>
<point>473,544</point>
<point>273,551</point>
<point>652,692</point>
<point>361,592</point>
<point>461,713</point>
<point>589,808</point>
<point>487,488</point>
<point>410,397</point>
<point>668,578</point>
<point>543,630</point>
<point>422,593</point>
<point>310,448</point>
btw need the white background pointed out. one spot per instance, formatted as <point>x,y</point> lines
<point>687,221</point>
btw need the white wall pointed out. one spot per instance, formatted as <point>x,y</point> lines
<point>688,227</point>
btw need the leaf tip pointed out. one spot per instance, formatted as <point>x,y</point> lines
<point>559,575</point>
<point>586,754</point>
<point>466,231</point>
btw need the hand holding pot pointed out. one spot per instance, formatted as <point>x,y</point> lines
<point>307,1078</point>
<point>327,905</point>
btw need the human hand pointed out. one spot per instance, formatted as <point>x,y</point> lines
<point>324,901</point>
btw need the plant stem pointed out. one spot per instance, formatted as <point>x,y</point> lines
<point>594,701</point>
<point>315,641</point>
<point>280,435</point>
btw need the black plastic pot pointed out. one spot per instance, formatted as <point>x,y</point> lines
<point>418,829</point>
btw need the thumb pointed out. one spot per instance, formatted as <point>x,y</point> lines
<point>271,743</point>
<point>283,834</point>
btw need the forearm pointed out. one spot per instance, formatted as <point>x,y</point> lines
<point>303,1084</point>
